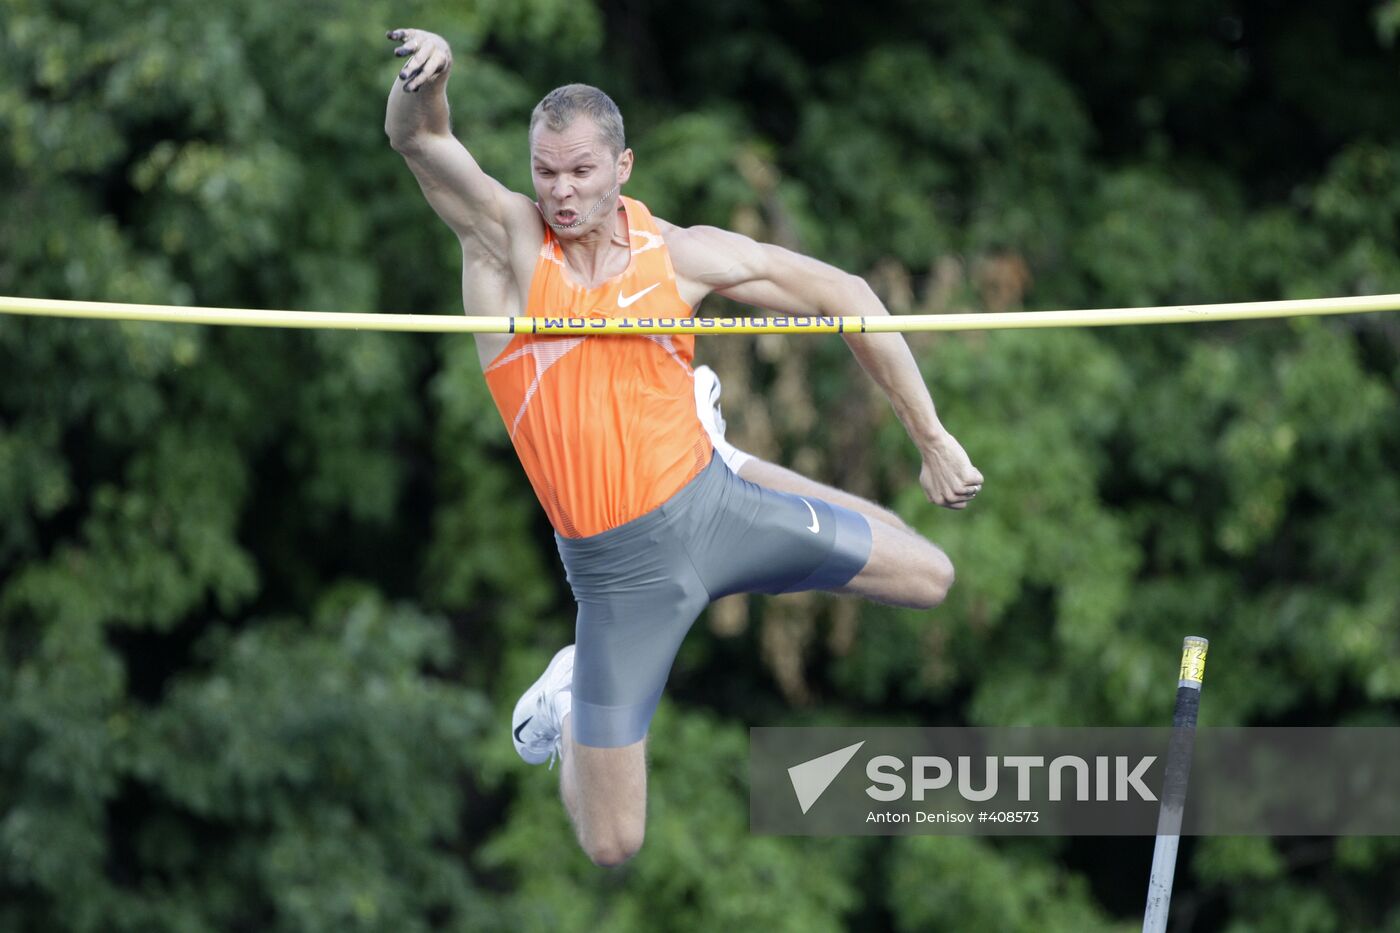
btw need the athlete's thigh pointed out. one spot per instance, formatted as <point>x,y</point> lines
<point>625,645</point>
<point>762,540</point>
<point>614,779</point>
<point>783,479</point>
<point>608,792</point>
<point>903,569</point>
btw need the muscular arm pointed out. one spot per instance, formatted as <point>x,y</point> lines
<point>743,270</point>
<point>480,210</point>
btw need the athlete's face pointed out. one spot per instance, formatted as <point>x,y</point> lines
<point>577,177</point>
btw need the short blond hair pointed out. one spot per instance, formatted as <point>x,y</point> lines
<point>561,106</point>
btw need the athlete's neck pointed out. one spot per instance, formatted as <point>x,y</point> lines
<point>597,255</point>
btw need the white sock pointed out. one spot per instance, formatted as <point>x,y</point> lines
<point>733,457</point>
<point>705,408</point>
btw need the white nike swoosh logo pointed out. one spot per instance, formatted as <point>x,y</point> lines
<point>816,526</point>
<point>625,300</point>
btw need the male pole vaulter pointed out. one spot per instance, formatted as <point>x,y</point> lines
<point>655,515</point>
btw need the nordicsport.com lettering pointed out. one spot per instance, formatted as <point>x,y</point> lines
<point>586,323</point>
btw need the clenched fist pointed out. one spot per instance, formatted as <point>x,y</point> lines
<point>948,477</point>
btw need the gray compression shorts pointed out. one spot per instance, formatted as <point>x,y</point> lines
<point>641,585</point>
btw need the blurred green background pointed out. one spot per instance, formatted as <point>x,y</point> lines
<point>266,598</point>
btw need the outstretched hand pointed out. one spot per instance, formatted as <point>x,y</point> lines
<point>432,57</point>
<point>948,477</point>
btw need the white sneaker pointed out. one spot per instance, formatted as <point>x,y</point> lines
<point>537,723</point>
<point>707,391</point>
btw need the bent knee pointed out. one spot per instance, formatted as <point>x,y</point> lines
<point>614,849</point>
<point>938,580</point>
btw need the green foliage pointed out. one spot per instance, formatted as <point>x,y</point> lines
<point>266,597</point>
<point>968,884</point>
<point>699,819</point>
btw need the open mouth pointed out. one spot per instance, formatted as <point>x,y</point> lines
<point>565,218</point>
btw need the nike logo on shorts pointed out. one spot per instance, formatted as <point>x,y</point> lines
<point>521,727</point>
<point>816,526</point>
<point>625,300</point>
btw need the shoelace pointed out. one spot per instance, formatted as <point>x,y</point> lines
<point>554,751</point>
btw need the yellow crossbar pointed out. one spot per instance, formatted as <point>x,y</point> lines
<point>777,324</point>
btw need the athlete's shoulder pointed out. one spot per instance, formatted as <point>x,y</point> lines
<point>708,254</point>
<point>692,239</point>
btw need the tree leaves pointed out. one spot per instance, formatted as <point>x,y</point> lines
<point>265,597</point>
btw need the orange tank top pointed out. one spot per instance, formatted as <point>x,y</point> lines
<point>605,426</point>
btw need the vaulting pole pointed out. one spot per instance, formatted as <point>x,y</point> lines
<point>1178,770</point>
